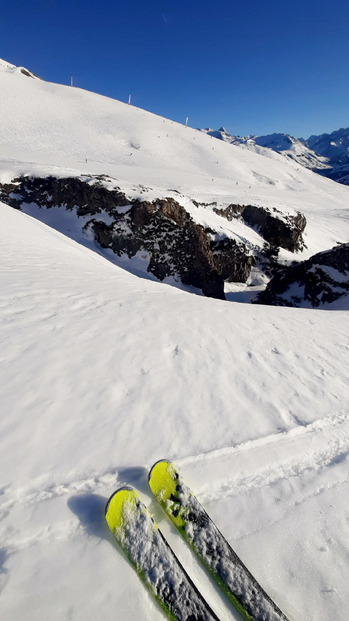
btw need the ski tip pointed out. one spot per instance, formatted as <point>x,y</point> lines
<point>120,506</point>
<point>160,461</point>
<point>124,488</point>
<point>163,479</point>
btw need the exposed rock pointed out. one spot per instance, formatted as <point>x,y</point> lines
<point>70,192</point>
<point>8,194</point>
<point>232,260</point>
<point>321,279</point>
<point>29,74</point>
<point>200,204</point>
<point>230,212</point>
<point>162,230</point>
<point>276,228</point>
<point>176,246</point>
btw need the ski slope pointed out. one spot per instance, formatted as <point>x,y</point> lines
<point>52,129</point>
<point>103,373</point>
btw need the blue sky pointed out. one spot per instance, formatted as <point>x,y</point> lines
<point>254,66</point>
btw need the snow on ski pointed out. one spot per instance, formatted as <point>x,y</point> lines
<point>207,541</point>
<point>155,562</point>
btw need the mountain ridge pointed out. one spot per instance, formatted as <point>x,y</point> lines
<point>326,154</point>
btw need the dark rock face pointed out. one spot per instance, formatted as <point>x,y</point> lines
<point>276,228</point>
<point>286,232</point>
<point>175,244</point>
<point>321,279</point>
<point>162,230</point>
<point>69,192</point>
<point>232,260</point>
<point>230,212</point>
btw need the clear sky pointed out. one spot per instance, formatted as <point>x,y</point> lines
<point>254,66</point>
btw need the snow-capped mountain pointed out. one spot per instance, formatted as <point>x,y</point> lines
<point>335,148</point>
<point>327,154</point>
<point>104,372</point>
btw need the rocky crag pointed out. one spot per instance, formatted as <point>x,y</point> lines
<point>174,245</point>
<point>322,279</point>
<point>278,229</point>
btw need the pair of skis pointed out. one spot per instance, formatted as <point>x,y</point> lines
<point>158,567</point>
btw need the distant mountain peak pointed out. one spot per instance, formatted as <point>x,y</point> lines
<point>327,154</point>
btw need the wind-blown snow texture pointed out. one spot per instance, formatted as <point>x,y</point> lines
<point>103,373</point>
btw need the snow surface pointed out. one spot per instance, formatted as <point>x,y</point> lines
<point>103,373</point>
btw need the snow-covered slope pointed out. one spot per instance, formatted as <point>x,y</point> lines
<point>47,128</point>
<point>102,373</point>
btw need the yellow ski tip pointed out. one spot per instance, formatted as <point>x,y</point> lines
<point>115,506</point>
<point>162,479</point>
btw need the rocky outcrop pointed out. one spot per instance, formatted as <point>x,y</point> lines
<point>232,260</point>
<point>68,192</point>
<point>322,279</point>
<point>278,229</point>
<point>176,246</point>
<point>162,230</point>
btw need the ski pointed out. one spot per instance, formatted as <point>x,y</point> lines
<point>211,547</point>
<point>151,556</point>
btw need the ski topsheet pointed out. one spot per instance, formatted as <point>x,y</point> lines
<point>153,559</point>
<point>214,551</point>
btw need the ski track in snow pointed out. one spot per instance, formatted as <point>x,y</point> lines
<point>255,464</point>
<point>314,446</point>
<point>292,467</point>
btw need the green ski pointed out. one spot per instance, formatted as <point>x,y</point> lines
<point>151,556</point>
<point>211,547</point>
